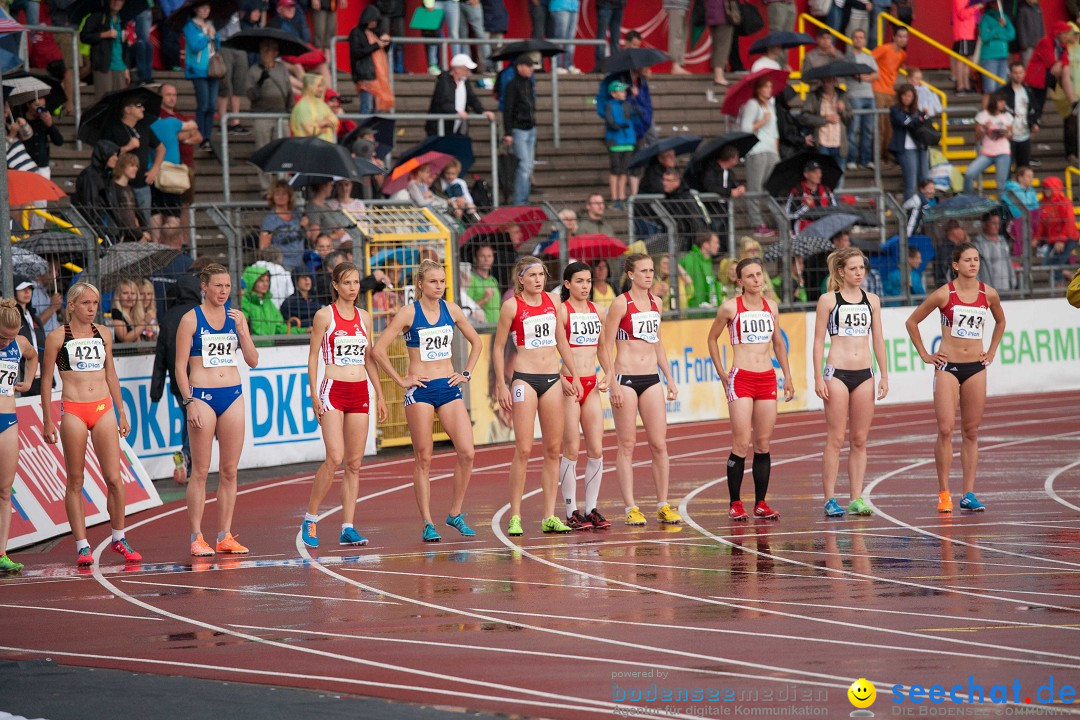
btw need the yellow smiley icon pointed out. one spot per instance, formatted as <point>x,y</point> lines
<point>862,693</point>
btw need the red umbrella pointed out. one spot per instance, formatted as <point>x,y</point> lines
<point>529,219</point>
<point>590,247</point>
<point>743,90</point>
<point>28,187</point>
<point>399,178</point>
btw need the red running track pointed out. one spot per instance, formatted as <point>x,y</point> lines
<point>770,615</point>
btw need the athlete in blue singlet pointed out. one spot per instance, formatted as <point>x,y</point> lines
<point>14,348</point>
<point>433,386</point>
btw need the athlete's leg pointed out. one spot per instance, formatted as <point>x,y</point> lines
<point>230,436</point>
<point>421,417</point>
<point>836,419</point>
<point>946,399</point>
<point>524,413</point>
<point>764,420</point>
<point>201,440</point>
<point>654,418</point>
<point>107,448</point>
<point>455,420</point>
<point>571,447</point>
<point>741,413</point>
<point>972,402</point>
<point>332,425</point>
<point>626,432</point>
<point>73,436</point>
<point>862,415</point>
<point>355,434</point>
<point>9,462</point>
<point>592,427</point>
<point>550,409</point>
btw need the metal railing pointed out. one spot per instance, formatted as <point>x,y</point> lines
<point>444,44</point>
<point>883,17</point>
<point>493,139</point>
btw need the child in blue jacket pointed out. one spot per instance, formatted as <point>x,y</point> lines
<point>619,136</point>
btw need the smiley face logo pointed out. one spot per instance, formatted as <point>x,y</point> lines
<point>862,693</point>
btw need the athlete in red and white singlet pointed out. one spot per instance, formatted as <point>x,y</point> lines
<point>583,322</point>
<point>339,337</point>
<point>751,385</point>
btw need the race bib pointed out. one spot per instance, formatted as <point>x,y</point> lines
<point>755,327</point>
<point>539,331</point>
<point>9,373</point>
<point>219,350</point>
<point>435,343</point>
<point>646,326</point>
<point>968,322</point>
<point>854,320</point>
<point>584,329</point>
<point>86,354</point>
<point>350,350</point>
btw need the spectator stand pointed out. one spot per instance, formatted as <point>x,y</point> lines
<point>444,56</point>
<point>73,40</point>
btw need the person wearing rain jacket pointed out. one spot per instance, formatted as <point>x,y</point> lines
<point>263,315</point>
<point>92,182</point>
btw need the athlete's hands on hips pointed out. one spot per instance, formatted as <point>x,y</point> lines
<point>51,436</point>
<point>456,379</point>
<point>411,381</point>
<point>672,391</point>
<point>125,426</point>
<point>882,388</point>
<point>789,390</point>
<point>987,357</point>
<point>821,388</point>
<point>505,401</point>
<point>938,360</point>
<point>381,412</point>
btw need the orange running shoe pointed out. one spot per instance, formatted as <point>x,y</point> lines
<point>200,548</point>
<point>944,502</point>
<point>229,545</point>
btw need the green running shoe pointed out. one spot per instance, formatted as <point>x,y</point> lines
<point>515,526</point>
<point>555,525</point>
<point>9,565</point>
<point>858,506</point>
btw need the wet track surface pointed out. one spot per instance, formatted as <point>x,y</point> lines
<point>721,615</point>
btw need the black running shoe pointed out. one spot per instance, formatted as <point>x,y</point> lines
<point>578,521</point>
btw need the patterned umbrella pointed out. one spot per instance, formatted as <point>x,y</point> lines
<point>133,260</point>
<point>26,263</point>
<point>55,243</point>
<point>817,236</point>
<point>960,206</point>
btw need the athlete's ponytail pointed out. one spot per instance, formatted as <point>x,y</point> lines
<point>10,315</point>
<point>838,260</point>
<point>568,274</point>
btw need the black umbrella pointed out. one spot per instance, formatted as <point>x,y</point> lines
<point>789,173</point>
<point>55,243</point>
<point>364,167</point>
<point>817,236</point>
<point>707,151</point>
<point>107,110</point>
<point>634,59</point>
<point>220,11</point>
<point>384,128</point>
<point>511,51</point>
<point>134,260</point>
<point>81,8</point>
<point>457,146</point>
<point>681,144</point>
<point>249,40</point>
<point>783,38</point>
<point>311,155</point>
<point>837,69</point>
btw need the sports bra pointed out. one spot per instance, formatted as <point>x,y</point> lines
<point>533,326</point>
<point>205,332</point>
<point>433,340</point>
<point>640,324</point>
<point>9,368</point>
<point>966,321</point>
<point>850,319</point>
<point>345,341</point>
<point>582,329</point>
<point>88,353</point>
<point>751,327</point>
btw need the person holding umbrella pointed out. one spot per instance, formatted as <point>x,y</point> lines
<point>270,91</point>
<point>757,116</point>
<point>201,42</point>
<point>104,33</point>
<point>519,125</point>
<point>83,355</point>
<point>809,194</point>
<point>14,351</point>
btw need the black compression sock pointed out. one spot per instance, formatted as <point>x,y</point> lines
<point>736,466</point>
<point>762,468</point>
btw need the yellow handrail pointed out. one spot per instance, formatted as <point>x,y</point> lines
<point>881,18</point>
<point>1069,172</point>
<point>804,18</point>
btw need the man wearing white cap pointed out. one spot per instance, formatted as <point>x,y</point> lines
<point>454,95</point>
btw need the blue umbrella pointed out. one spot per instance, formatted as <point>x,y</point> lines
<point>681,144</point>
<point>9,45</point>
<point>960,206</point>
<point>457,146</point>
<point>402,255</point>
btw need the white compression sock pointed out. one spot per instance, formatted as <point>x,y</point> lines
<point>568,484</point>
<point>117,535</point>
<point>594,472</point>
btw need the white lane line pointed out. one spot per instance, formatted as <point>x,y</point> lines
<point>419,574</point>
<point>1048,486</point>
<point>257,592</point>
<point>319,678</point>
<point>77,612</point>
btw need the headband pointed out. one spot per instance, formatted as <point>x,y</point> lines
<point>529,267</point>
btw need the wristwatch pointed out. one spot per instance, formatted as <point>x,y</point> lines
<point>187,401</point>
<point>466,374</point>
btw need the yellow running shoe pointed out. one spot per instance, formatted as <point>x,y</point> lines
<point>668,515</point>
<point>635,516</point>
<point>944,502</point>
<point>229,545</point>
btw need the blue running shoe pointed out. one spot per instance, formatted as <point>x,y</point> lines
<point>349,536</point>
<point>970,502</point>
<point>833,509</point>
<point>458,523</point>
<point>430,535</point>
<point>309,533</point>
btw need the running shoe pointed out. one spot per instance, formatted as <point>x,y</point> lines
<point>859,506</point>
<point>9,565</point>
<point>635,516</point>
<point>84,558</point>
<point>349,536</point>
<point>514,530</point>
<point>180,470</point>
<point>122,547</point>
<point>555,525</point>
<point>430,535</point>
<point>667,515</point>
<point>944,502</point>
<point>599,522</point>
<point>309,533</point>
<point>737,511</point>
<point>833,509</point>
<point>458,523</point>
<point>200,548</point>
<point>229,545</point>
<point>762,510</point>
<point>969,502</point>
<point>577,521</point>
